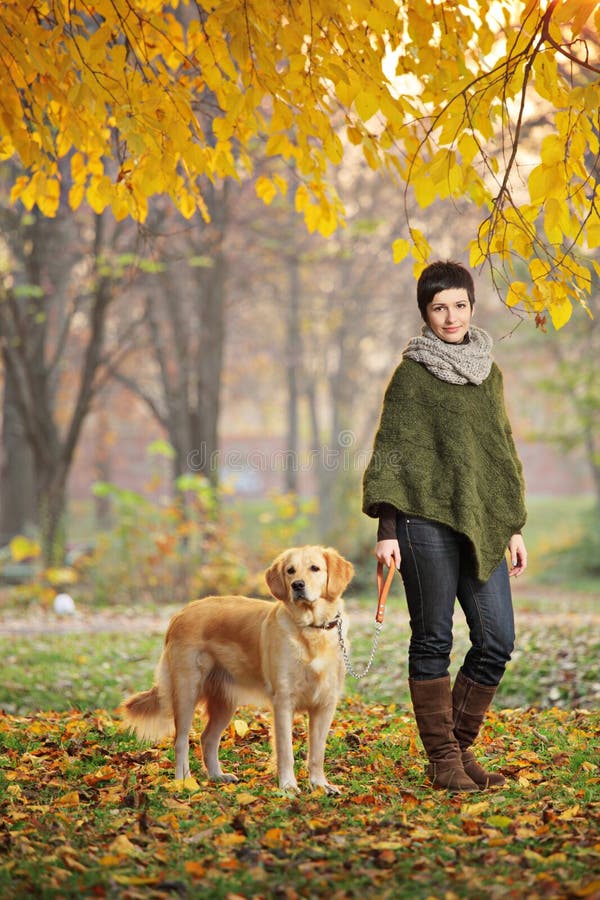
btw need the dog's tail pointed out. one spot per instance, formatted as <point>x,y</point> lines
<point>150,713</point>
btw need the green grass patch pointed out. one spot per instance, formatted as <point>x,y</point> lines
<point>555,662</point>
<point>74,671</point>
<point>562,539</point>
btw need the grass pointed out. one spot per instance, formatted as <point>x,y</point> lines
<point>555,662</point>
<point>555,526</point>
<point>74,671</point>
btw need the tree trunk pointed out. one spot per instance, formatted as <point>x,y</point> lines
<point>293,363</point>
<point>102,469</point>
<point>17,489</point>
<point>52,503</point>
<point>31,369</point>
<point>204,414</point>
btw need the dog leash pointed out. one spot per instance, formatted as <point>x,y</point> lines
<point>383,589</point>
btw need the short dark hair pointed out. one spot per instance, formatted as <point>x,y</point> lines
<point>439,276</point>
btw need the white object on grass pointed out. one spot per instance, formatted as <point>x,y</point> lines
<point>64,605</point>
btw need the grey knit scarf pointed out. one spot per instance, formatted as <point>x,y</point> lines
<point>457,363</point>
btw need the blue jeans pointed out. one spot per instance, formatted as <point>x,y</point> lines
<point>437,568</point>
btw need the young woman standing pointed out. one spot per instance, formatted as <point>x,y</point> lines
<point>447,486</point>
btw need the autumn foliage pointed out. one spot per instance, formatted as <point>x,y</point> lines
<point>116,101</point>
<point>86,811</point>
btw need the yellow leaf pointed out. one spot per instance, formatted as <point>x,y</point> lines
<point>279,145</point>
<point>593,235</point>
<point>538,269</point>
<point>456,179</point>
<point>333,148</point>
<point>560,313</point>
<point>301,199</point>
<point>476,253</point>
<point>553,150</point>
<point>572,812</point>
<point>539,182</point>
<point>110,859</point>
<point>418,268</point>
<point>122,846</point>
<point>473,809</point>
<point>50,199</point>
<point>62,575</point>
<point>517,293</point>
<point>354,135</point>
<point>400,248</point>
<point>245,799</point>
<point>467,147</point>
<point>425,189</point>
<point>18,188</point>
<point>347,89</point>
<point>556,219</point>
<point>273,837</point>
<point>7,148</point>
<point>265,189</point>
<point>69,799</point>
<point>592,887</point>
<point>104,773</point>
<point>188,783</point>
<point>499,821</point>
<point>186,204</point>
<point>76,194</point>
<point>230,839</point>
<point>241,727</point>
<point>387,845</point>
<point>421,248</point>
<point>22,547</point>
<point>366,105</point>
<point>196,869</point>
<point>98,194</point>
<point>583,10</point>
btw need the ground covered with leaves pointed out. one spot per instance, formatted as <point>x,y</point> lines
<point>88,811</point>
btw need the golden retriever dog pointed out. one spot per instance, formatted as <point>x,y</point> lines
<point>227,651</point>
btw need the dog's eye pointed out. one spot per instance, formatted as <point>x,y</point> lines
<point>291,571</point>
<point>314,568</point>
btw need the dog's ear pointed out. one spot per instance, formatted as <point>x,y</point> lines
<point>339,573</point>
<point>275,580</point>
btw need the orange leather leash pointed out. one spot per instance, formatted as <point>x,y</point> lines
<point>382,592</point>
<point>383,589</point>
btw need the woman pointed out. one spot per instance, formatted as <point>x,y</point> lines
<point>447,486</point>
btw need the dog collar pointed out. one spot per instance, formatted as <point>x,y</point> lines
<point>328,625</point>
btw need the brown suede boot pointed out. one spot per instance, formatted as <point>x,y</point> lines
<point>470,702</point>
<point>432,703</point>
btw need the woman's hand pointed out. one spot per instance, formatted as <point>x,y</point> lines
<point>518,555</point>
<point>388,553</point>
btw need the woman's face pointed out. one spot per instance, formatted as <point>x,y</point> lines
<point>449,315</point>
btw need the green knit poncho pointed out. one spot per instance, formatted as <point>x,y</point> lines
<point>445,452</point>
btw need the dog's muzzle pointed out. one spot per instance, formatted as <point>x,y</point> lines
<point>299,591</point>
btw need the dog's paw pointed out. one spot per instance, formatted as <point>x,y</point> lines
<point>225,777</point>
<point>333,789</point>
<point>289,787</point>
<point>325,786</point>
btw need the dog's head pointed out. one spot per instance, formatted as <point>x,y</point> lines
<point>304,575</point>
